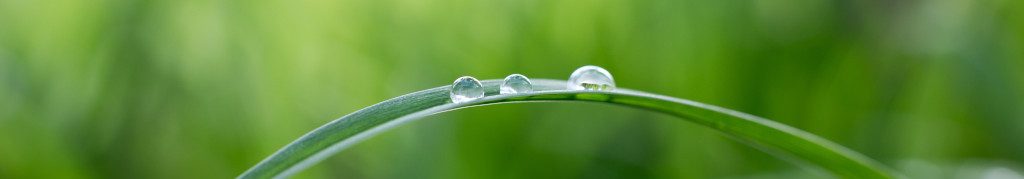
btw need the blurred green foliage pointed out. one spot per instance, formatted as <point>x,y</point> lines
<point>207,88</point>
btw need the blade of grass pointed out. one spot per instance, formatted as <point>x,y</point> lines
<point>775,138</point>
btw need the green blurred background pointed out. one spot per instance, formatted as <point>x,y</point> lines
<point>207,88</point>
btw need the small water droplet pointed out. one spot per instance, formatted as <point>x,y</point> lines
<point>591,78</point>
<point>466,88</point>
<point>516,83</point>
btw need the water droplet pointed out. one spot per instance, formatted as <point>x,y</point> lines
<point>516,83</point>
<point>591,78</point>
<point>466,88</point>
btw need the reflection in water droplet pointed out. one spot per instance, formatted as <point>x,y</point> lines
<point>591,78</point>
<point>466,88</point>
<point>516,83</point>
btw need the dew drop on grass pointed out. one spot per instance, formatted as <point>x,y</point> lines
<point>591,78</point>
<point>466,88</point>
<point>516,83</point>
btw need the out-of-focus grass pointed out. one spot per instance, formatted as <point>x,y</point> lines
<point>204,89</point>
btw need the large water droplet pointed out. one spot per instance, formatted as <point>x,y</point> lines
<point>516,83</point>
<point>591,78</point>
<point>466,88</point>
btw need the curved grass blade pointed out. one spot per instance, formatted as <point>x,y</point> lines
<point>775,138</point>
